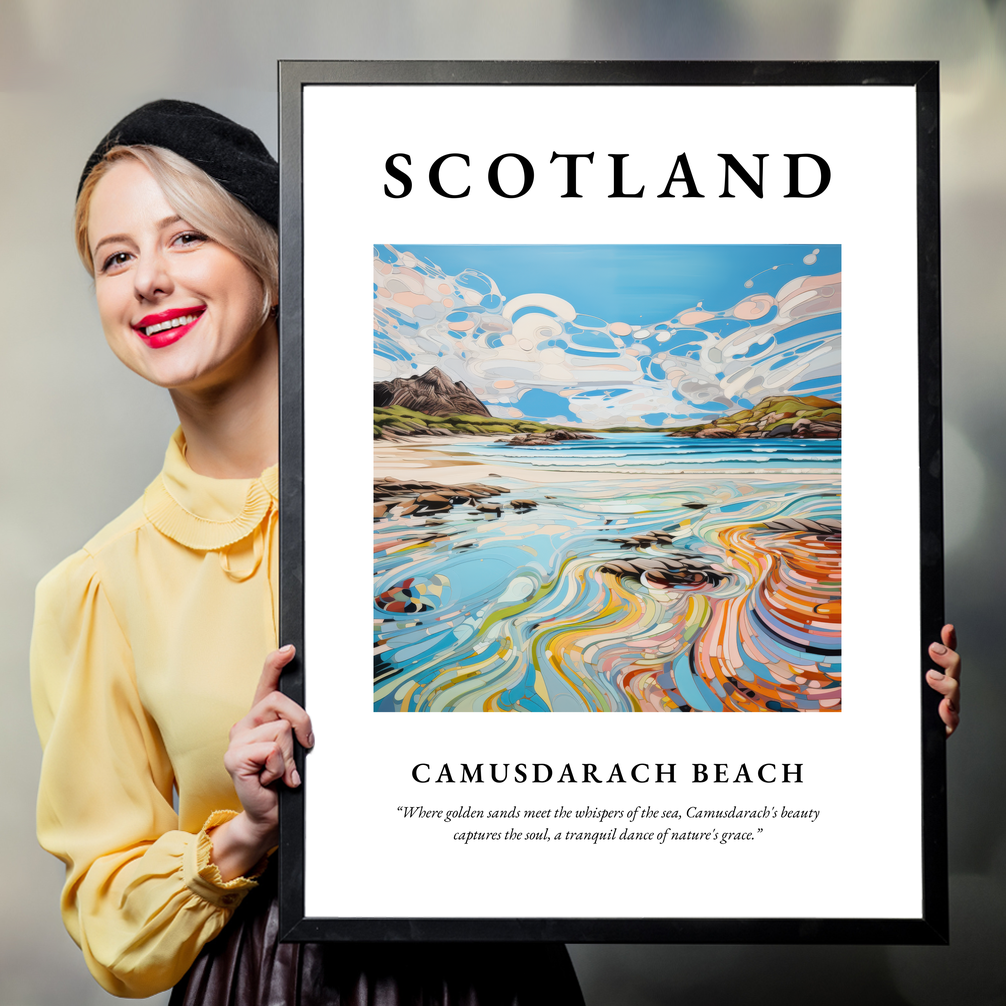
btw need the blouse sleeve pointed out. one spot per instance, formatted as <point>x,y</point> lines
<point>141,898</point>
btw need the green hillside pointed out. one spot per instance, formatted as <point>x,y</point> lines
<point>767,415</point>
<point>396,420</point>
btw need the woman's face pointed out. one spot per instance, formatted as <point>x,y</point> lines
<point>177,308</point>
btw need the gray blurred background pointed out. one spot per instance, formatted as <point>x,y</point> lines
<point>82,436</point>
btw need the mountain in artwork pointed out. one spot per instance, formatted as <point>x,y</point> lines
<point>432,393</point>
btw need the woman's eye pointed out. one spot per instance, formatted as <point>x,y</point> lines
<point>114,261</point>
<point>190,238</point>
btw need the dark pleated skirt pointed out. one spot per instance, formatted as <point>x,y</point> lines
<point>246,965</point>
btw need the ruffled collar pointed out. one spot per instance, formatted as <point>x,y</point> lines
<point>203,513</point>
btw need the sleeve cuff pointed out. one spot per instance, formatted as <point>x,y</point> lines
<point>202,876</point>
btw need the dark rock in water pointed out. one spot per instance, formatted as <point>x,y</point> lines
<point>546,439</point>
<point>663,571</point>
<point>827,526</point>
<point>695,506</point>
<point>387,487</point>
<point>782,430</point>
<point>408,496</point>
<point>523,504</point>
<point>644,540</point>
<point>432,393</point>
<point>432,503</point>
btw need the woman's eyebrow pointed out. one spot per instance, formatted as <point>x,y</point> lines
<point>160,225</point>
<point>109,240</point>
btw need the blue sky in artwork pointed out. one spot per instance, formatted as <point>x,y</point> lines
<point>637,284</point>
<point>647,335</point>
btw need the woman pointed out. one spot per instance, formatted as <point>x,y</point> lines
<point>149,642</point>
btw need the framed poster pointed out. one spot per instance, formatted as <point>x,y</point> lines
<point>596,313</point>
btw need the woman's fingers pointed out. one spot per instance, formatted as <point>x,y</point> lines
<point>270,703</point>
<point>271,671</point>
<point>949,660</point>
<point>274,766</point>
<point>949,636</point>
<point>277,706</point>
<point>261,749</point>
<point>279,736</point>
<point>949,710</point>
<point>947,686</point>
<point>946,681</point>
<point>260,761</point>
<point>950,716</point>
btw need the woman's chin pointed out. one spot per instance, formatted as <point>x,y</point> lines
<point>174,373</point>
<point>196,365</point>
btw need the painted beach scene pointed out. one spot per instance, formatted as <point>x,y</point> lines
<point>607,478</point>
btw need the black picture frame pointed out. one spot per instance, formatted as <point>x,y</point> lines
<point>932,926</point>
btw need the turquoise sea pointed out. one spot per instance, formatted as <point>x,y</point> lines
<point>654,451</point>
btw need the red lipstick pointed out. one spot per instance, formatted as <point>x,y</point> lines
<point>166,327</point>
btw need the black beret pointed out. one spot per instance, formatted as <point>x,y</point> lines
<point>230,154</point>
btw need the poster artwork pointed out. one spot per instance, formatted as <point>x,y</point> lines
<point>607,478</point>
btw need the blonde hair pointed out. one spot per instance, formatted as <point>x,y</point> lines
<point>199,200</point>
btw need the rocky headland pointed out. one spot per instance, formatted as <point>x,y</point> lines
<point>804,418</point>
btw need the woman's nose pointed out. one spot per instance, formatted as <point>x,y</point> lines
<point>152,277</point>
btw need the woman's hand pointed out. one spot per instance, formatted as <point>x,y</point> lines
<point>260,753</point>
<point>947,682</point>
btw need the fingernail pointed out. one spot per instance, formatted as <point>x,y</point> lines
<point>287,649</point>
<point>938,648</point>
<point>310,740</point>
<point>295,777</point>
<point>936,675</point>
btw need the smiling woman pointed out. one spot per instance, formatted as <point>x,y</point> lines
<point>159,278</point>
<point>148,642</point>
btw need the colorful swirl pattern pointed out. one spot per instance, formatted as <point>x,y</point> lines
<point>545,612</point>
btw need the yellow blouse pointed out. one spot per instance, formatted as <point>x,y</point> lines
<point>147,647</point>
